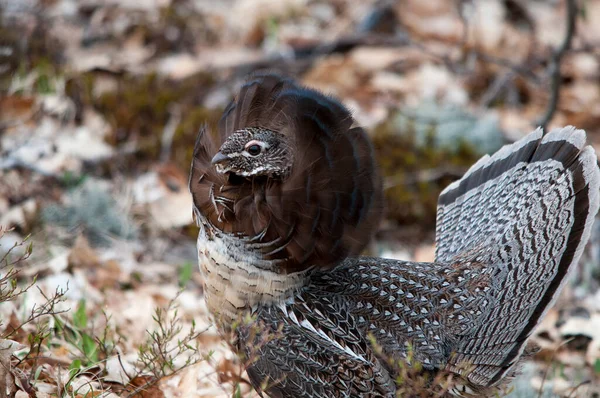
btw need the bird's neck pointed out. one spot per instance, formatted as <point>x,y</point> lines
<point>236,279</point>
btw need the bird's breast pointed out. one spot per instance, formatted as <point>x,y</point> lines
<point>235,279</point>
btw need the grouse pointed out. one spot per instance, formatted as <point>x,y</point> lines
<point>287,194</point>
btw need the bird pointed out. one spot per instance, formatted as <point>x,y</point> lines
<point>285,186</point>
<point>287,194</point>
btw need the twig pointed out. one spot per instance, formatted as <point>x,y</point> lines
<point>574,389</point>
<point>547,370</point>
<point>169,132</point>
<point>123,367</point>
<point>525,70</point>
<point>428,175</point>
<point>460,9</point>
<point>555,61</point>
<point>494,90</point>
<point>302,58</point>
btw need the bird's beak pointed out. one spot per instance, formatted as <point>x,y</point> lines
<point>219,158</point>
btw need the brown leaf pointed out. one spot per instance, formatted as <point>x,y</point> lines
<point>16,108</point>
<point>7,377</point>
<point>147,385</point>
<point>82,255</point>
<point>14,331</point>
<point>229,371</point>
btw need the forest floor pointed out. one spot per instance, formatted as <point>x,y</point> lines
<point>100,103</point>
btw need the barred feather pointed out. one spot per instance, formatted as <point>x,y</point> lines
<point>508,234</point>
<point>330,325</point>
<point>527,211</point>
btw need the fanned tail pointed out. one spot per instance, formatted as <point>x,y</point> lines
<point>526,213</point>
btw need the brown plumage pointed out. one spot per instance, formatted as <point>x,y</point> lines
<point>288,193</point>
<point>325,208</point>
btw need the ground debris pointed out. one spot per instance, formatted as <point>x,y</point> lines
<point>101,103</point>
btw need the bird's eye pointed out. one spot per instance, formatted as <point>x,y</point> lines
<point>254,149</point>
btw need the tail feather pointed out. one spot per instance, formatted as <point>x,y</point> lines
<point>526,212</point>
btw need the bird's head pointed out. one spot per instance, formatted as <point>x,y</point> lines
<point>253,152</point>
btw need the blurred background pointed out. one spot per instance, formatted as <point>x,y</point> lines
<point>100,104</point>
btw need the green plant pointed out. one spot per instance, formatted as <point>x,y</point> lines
<point>78,334</point>
<point>22,364</point>
<point>9,289</point>
<point>185,273</point>
<point>158,357</point>
<point>44,327</point>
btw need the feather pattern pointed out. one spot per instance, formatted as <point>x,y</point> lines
<point>508,234</point>
<point>325,210</point>
<point>327,324</point>
<point>325,348</point>
<point>527,210</point>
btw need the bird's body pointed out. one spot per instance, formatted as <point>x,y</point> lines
<point>281,245</point>
<point>233,281</point>
<point>329,329</point>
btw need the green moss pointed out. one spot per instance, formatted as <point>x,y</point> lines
<point>25,52</point>
<point>187,131</point>
<point>415,174</point>
<point>191,231</point>
<point>80,89</point>
<point>141,107</point>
